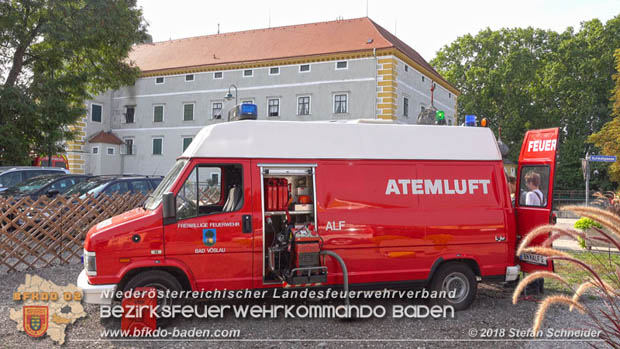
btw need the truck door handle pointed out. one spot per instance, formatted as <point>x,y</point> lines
<point>500,238</point>
<point>246,222</point>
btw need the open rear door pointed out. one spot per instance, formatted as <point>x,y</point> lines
<point>534,200</point>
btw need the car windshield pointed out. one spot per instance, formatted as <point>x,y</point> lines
<point>89,186</point>
<point>30,186</point>
<point>166,184</point>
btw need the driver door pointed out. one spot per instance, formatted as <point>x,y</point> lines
<point>210,236</point>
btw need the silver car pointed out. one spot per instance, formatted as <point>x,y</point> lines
<point>11,175</point>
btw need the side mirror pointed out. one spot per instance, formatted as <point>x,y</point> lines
<point>52,192</point>
<point>169,208</point>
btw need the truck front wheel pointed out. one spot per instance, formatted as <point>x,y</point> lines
<point>457,280</point>
<point>160,280</point>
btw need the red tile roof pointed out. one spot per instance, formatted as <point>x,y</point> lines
<point>360,34</point>
<point>105,137</point>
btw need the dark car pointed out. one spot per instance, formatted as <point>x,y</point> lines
<point>12,175</point>
<point>49,185</point>
<point>115,184</point>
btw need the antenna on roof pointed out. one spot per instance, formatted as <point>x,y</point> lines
<point>218,28</point>
<point>366,8</point>
<point>270,17</point>
<point>395,22</point>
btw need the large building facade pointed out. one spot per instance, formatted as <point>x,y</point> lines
<point>346,69</point>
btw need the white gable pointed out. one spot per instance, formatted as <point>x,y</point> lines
<point>342,140</point>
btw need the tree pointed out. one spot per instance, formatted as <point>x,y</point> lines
<point>608,138</point>
<point>523,79</point>
<point>54,54</point>
<point>498,75</point>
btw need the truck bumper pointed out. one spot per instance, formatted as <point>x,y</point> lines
<point>512,272</point>
<point>95,294</point>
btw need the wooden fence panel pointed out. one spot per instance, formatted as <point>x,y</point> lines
<point>42,232</point>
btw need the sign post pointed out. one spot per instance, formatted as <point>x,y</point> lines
<point>586,173</point>
<point>585,166</point>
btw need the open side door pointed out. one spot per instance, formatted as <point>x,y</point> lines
<point>534,200</point>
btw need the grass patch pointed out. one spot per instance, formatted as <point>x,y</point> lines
<point>603,263</point>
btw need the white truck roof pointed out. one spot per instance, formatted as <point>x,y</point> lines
<point>357,139</point>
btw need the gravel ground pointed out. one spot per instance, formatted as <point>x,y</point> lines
<point>492,309</point>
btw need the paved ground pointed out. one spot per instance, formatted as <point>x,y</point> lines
<point>566,243</point>
<point>492,311</point>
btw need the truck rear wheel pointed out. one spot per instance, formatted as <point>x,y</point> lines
<point>160,280</point>
<point>457,278</point>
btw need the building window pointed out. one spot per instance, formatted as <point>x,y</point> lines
<point>218,75</point>
<point>340,103</point>
<point>247,101</point>
<point>158,146</point>
<point>95,112</point>
<point>186,142</point>
<point>189,77</point>
<point>158,113</point>
<point>304,68</point>
<point>95,150</point>
<point>188,112</point>
<point>303,105</point>
<point>274,107</point>
<point>248,73</point>
<point>274,71</point>
<point>159,80</point>
<point>130,112</point>
<point>422,78</point>
<point>216,110</point>
<point>422,108</point>
<point>449,95</point>
<point>110,151</point>
<point>405,107</point>
<point>341,65</point>
<point>406,67</point>
<point>129,146</point>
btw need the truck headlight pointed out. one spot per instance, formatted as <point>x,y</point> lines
<point>90,263</point>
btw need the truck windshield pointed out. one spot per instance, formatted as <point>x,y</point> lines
<point>165,186</point>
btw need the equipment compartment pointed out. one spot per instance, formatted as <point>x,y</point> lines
<point>291,245</point>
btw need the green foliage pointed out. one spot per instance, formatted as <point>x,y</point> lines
<point>608,138</point>
<point>526,78</point>
<point>54,54</point>
<point>587,223</point>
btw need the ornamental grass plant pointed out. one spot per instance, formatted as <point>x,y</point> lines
<point>601,281</point>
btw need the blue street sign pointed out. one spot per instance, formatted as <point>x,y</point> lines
<point>602,158</point>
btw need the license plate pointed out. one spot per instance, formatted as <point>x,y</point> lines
<point>533,258</point>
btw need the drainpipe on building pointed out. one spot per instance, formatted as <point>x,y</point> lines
<point>374,53</point>
<point>120,146</point>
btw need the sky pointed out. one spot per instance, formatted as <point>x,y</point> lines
<point>426,26</point>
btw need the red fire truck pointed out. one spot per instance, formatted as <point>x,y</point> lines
<point>264,204</point>
<point>57,161</point>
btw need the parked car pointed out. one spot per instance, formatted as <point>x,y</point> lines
<point>115,184</point>
<point>12,175</point>
<point>50,185</point>
<point>85,184</point>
